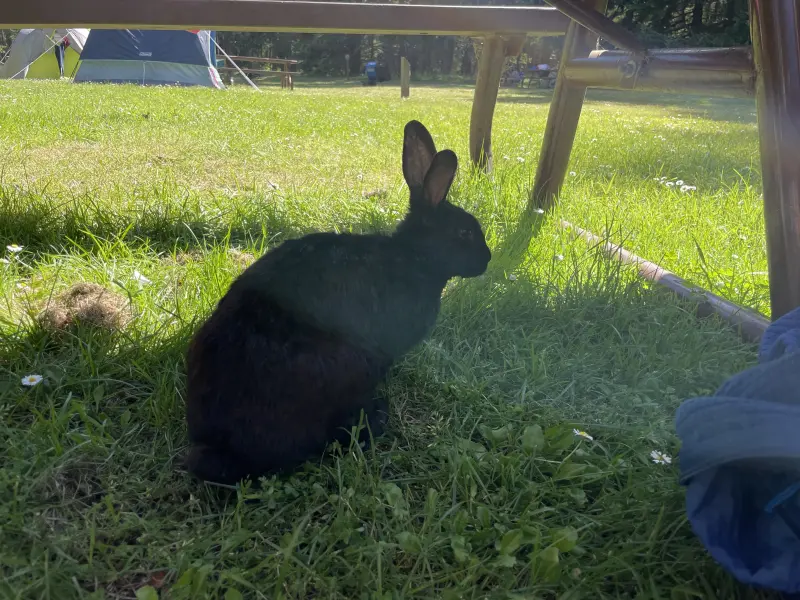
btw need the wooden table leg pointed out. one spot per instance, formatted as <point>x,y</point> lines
<point>775,29</point>
<point>490,72</point>
<point>562,121</point>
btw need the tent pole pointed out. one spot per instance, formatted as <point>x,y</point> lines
<point>254,86</point>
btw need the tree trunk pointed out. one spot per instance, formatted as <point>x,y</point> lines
<point>697,17</point>
<point>449,55</point>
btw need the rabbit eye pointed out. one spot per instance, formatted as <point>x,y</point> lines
<point>465,234</point>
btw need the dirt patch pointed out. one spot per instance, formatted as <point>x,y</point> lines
<point>86,304</point>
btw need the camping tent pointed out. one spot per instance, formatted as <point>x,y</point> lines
<point>149,57</point>
<point>32,53</point>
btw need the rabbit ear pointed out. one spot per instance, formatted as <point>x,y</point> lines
<point>440,177</point>
<point>418,153</point>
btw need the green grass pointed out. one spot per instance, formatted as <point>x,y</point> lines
<point>480,489</point>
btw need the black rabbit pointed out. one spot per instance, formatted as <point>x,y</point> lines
<point>299,344</point>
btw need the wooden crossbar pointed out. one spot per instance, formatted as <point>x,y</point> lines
<point>299,16</point>
<point>584,14</point>
<point>258,59</point>
<point>716,71</point>
<point>257,71</point>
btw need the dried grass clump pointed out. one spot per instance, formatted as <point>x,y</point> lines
<point>86,304</point>
<point>380,193</point>
<point>240,258</point>
<point>185,258</point>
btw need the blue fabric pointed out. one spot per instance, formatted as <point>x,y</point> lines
<point>154,45</point>
<point>740,463</point>
<point>781,337</point>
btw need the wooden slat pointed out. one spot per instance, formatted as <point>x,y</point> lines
<point>284,15</point>
<point>711,71</point>
<point>256,71</point>
<point>598,23</point>
<point>259,59</point>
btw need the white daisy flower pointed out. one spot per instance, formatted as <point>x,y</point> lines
<point>31,380</point>
<point>14,248</point>
<point>141,278</point>
<point>660,458</point>
<point>582,434</point>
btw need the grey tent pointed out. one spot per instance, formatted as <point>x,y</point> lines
<point>32,54</point>
<point>149,57</point>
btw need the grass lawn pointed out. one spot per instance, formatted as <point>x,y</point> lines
<point>481,489</point>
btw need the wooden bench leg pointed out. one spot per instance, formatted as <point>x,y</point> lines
<point>775,30</point>
<point>490,71</point>
<point>562,121</point>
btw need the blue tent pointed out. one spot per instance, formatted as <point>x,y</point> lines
<point>149,57</point>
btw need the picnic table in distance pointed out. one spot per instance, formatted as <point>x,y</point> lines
<point>542,74</point>
<point>286,75</point>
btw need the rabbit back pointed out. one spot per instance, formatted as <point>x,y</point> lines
<point>369,289</point>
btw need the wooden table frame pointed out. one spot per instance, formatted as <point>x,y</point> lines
<point>770,72</point>
<point>287,80</point>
